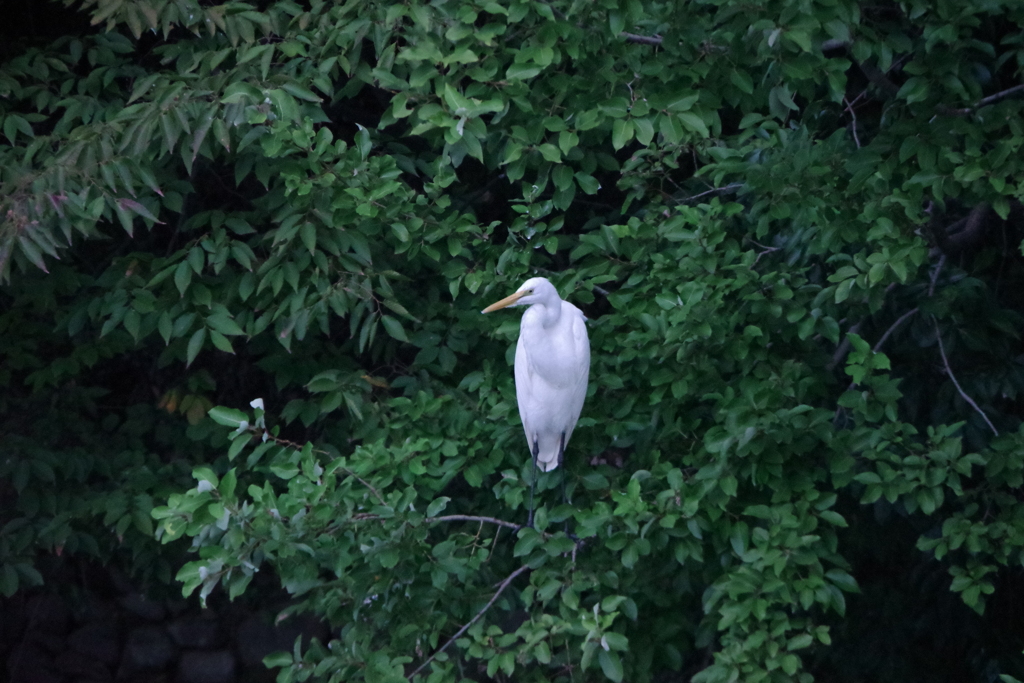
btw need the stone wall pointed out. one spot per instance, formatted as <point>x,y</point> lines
<point>69,634</point>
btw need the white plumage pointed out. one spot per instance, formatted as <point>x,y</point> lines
<point>552,366</point>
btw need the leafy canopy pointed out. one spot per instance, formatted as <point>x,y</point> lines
<point>795,227</point>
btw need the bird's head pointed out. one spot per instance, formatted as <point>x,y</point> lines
<point>536,290</point>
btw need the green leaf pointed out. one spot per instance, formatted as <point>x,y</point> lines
<point>622,132</point>
<point>780,101</point>
<point>302,93</point>
<point>223,324</point>
<point>164,327</point>
<point>550,153</point>
<point>394,328</point>
<point>694,123</point>
<point>227,484</point>
<point>229,417</point>
<point>238,444</point>
<point>389,557</point>
<point>611,665</point>
<point>742,80</point>
<point>221,342</point>
<point>616,22</point>
<point>277,659</point>
<point>644,130</point>
<point>363,143</point>
<point>799,642</point>
<point>182,277</point>
<point>8,580</point>
<point>195,345</point>
<point>437,506</point>
<point>587,183</point>
<point>843,580</point>
<point>138,208</point>
<point>522,72</point>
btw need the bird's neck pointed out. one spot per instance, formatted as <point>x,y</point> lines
<point>548,314</point>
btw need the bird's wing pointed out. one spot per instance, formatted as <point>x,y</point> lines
<point>524,385</point>
<point>578,393</point>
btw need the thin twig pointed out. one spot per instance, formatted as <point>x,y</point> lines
<point>714,190</point>
<point>369,516</point>
<point>892,328</point>
<point>949,371</point>
<point>765,250</point>
<point>600,290</point>
<point>995,97</point>
<point>835,44</point>
<point>999,95</point>
<point>643,40</point>
<point>364,483</point>
<point>935,275</point>
<point>844,347</point>
<point>458,634</point>
<point>879,79</point>
<point>5,254</point>
<point>471,518</point>
<point>291,444</point>
<point>853,116</point>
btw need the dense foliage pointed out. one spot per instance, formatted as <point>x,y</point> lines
<point>794,225</point>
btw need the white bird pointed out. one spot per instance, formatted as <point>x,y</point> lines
<point>551,369</point>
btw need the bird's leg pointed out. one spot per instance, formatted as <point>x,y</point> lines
<point>533,481</point>
<point>561,463</point>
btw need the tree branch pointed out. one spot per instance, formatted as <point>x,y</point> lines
<point>364,483</point>
<point>369,516</point>
<point>991,99</point>
<point>471,518</point>
<point>853,117</point>
<point>935,275</point>
<point>878,78</point>
<point>715,190</point>
<point>974,228</point>
<point>642,40</point>
<point>892,328</point>
<point>291,444</point>
<point>949,371</point>
<point>844,347</point>
<point>458,634</point>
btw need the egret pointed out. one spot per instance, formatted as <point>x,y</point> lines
<point>551,369</point>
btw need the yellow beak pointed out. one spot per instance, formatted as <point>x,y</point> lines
<point>507,301</point>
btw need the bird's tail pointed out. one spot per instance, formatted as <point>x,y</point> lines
<point>549,452</point>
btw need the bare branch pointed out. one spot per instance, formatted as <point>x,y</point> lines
<point>949,371</point>
<point>764,250</point>
<point>935,275</point>
<point>291,444</point>
<point>834,44</point>
<point>974,228</point>
<point>892,328</point>
<point>844,347</point>
<point>642,40</point>
<point>365,483</point>
<point>458,634</point>
<point>600,290</point>
<point>999,95</point>
<point>853,116</point>
<point>878,78</point>
<point>471,518</point>
<point>715,190</point>
<point>991,99</point>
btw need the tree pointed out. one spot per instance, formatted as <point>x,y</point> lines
<point>795,228</point>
